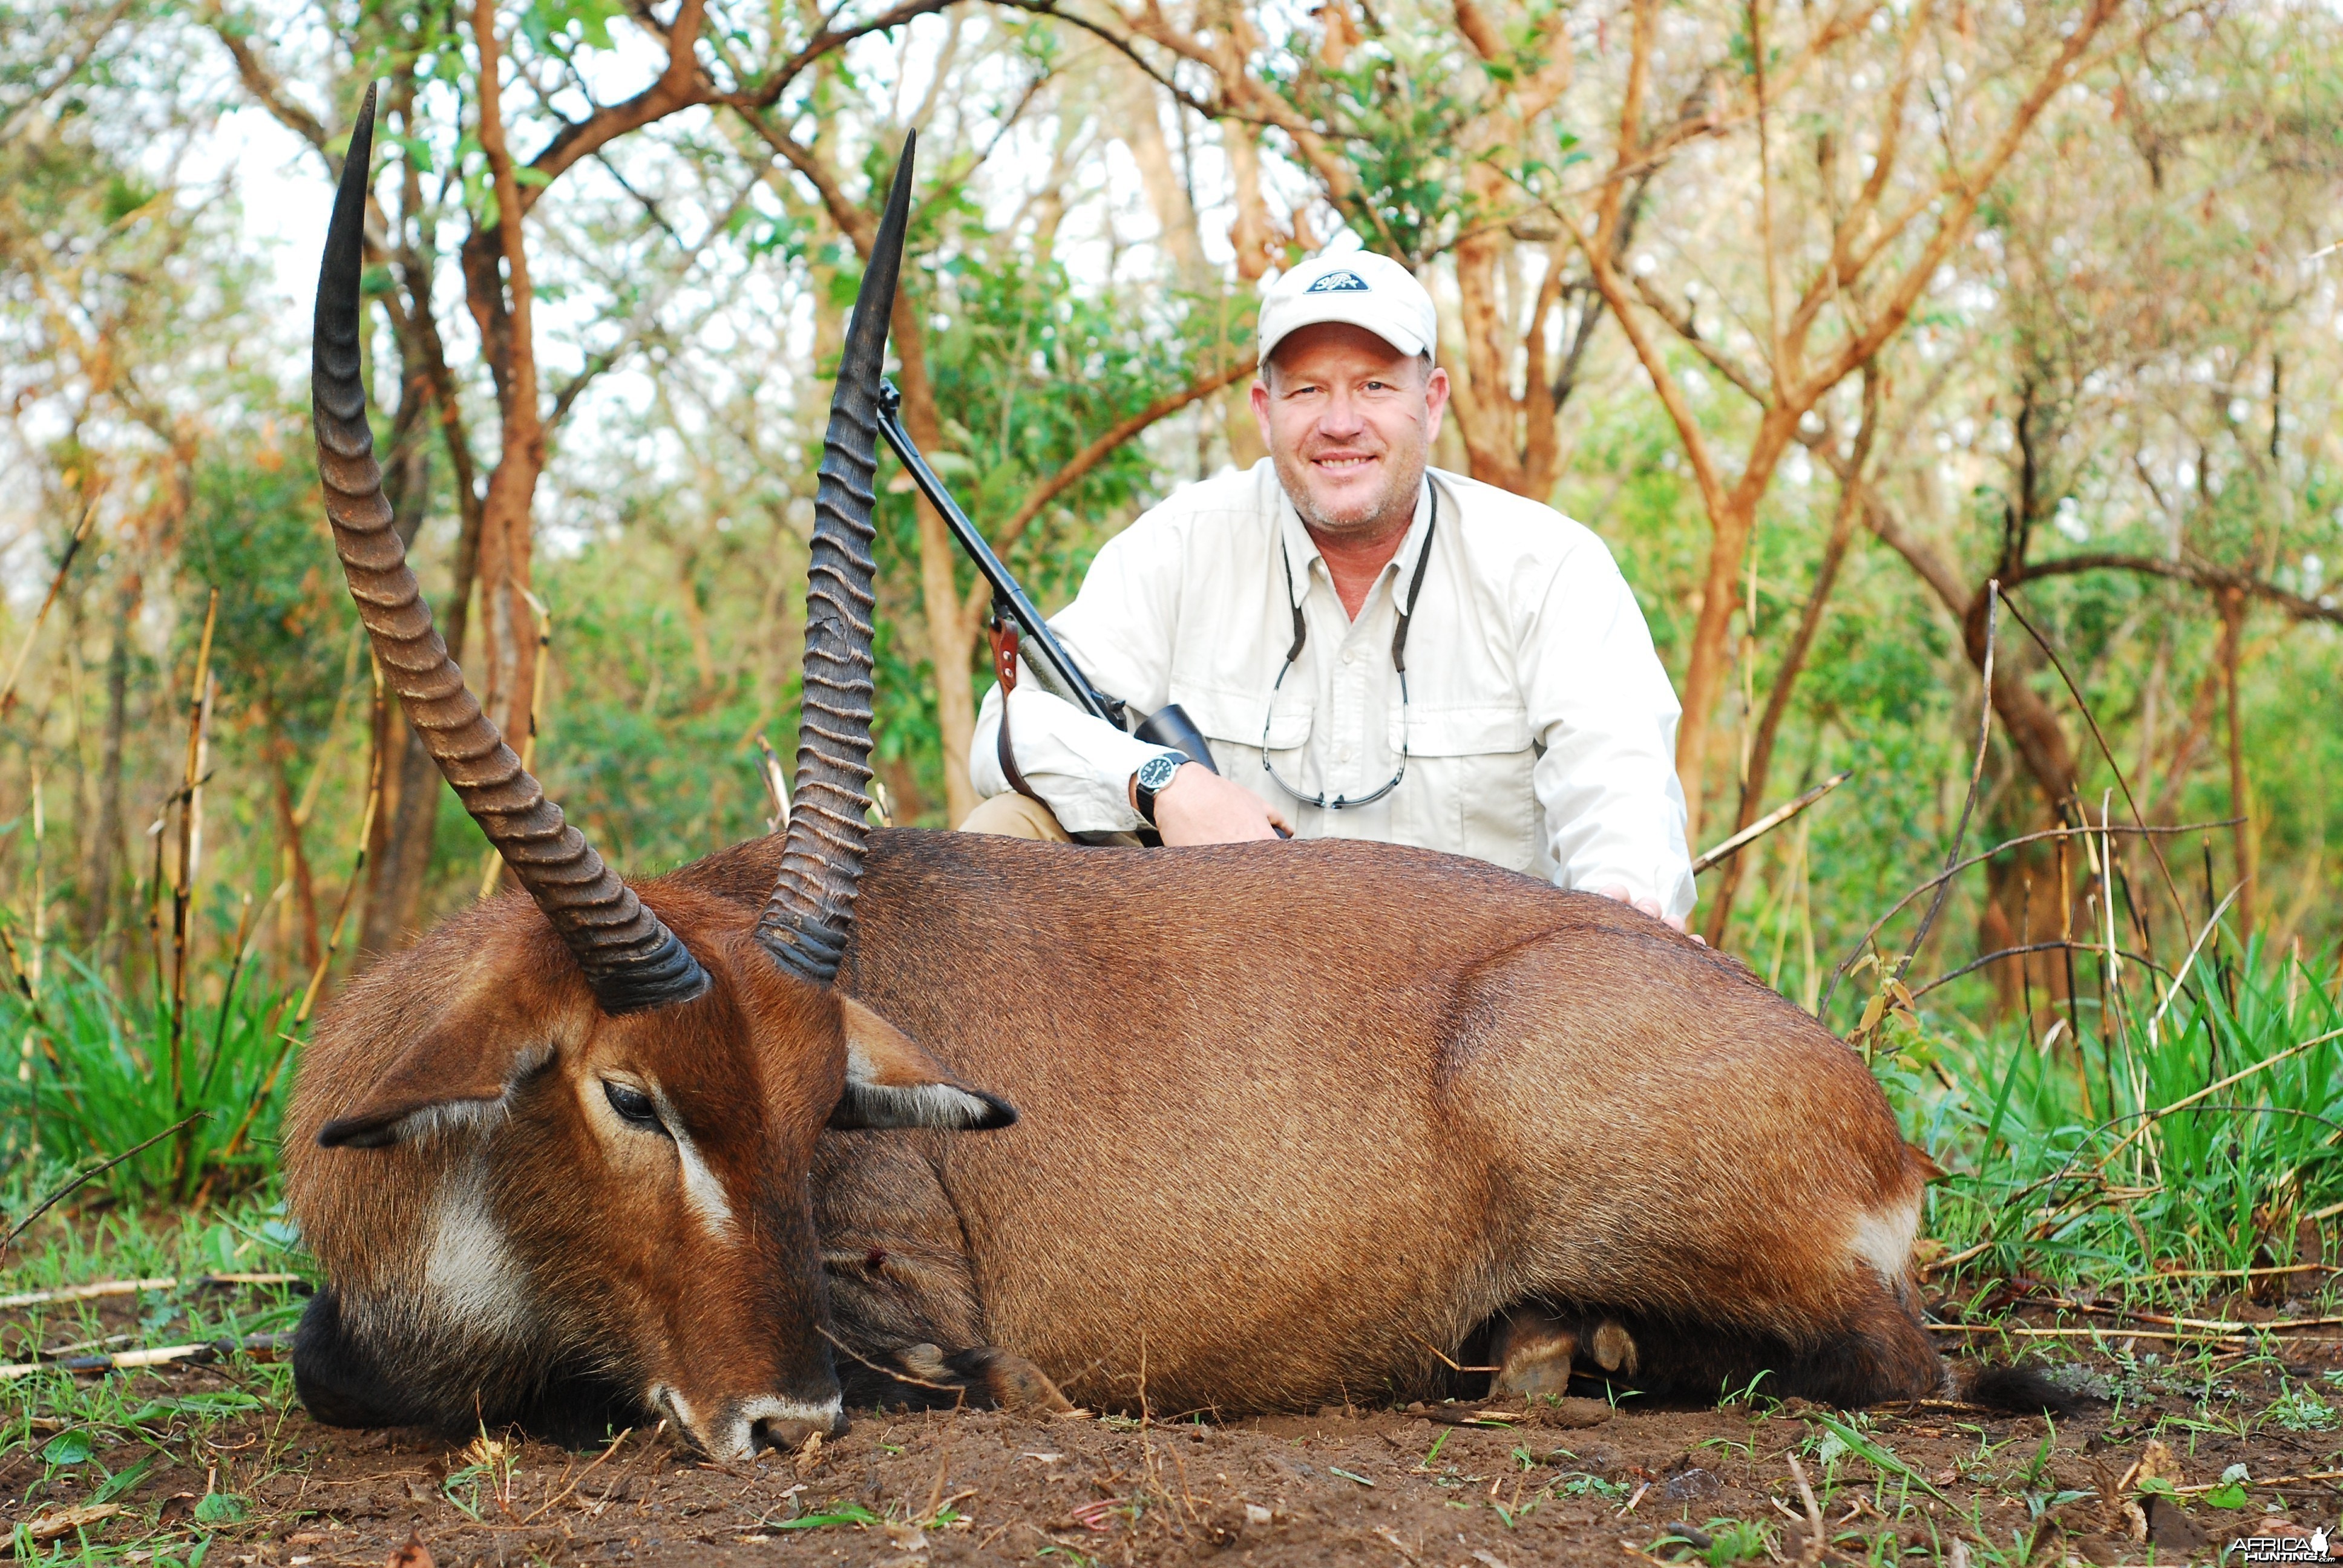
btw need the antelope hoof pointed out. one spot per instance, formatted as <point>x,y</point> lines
<point>1614,1348</point>
<point>1000,1378</point>
<point>1013,1382</point>
<point>1533,1356</point>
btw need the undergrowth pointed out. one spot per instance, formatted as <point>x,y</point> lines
<point>89,1073</point>
<point>2191,1131</point>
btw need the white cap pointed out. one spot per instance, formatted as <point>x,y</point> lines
<point>1356,287</point>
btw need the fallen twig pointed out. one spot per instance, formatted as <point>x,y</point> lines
<point>160,1355</point>
<point>54,1198</point>
<point>2117,1331</point>
<point>133,1287</point>
<point>2204,1487</point>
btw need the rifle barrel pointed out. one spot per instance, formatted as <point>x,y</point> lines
<point>1041,646</point>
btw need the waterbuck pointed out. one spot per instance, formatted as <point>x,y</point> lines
<point>948,1117</point>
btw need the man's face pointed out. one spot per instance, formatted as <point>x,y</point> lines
<point>1349,420</point>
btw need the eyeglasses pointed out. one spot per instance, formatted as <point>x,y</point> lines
<point>1399,664</point>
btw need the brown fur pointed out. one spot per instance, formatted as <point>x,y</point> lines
<point>1291,1116</point>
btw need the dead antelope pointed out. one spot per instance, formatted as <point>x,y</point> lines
<point>1292,1121</point>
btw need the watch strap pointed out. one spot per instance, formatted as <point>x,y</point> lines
<point>1143,796</point>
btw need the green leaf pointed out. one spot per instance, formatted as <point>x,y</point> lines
<point>525,176</point>
<point>122,1481</point>
<point>852,1513</point>
<point>2228,1494</point>
<point>68,1448</point>
<point>220,1508</point>
<point>1863,1447</point>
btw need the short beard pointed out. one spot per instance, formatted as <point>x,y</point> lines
<point>1395,504</point>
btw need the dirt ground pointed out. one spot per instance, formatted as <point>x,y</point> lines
<point>1580,1482</point>
<point>2145,1471</point>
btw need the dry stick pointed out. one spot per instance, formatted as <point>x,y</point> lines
<point>2186,964</point>
<point>54,1198</point>
<point>1816,1536</point>
<point>1766,824</point>
<point>289,1036</point>
<point>2062,1304</point>
<point>2110,1331</point>
<point>777,785</point>
<point>56,586</point>
<point>182,887</point>
<point>2106,751</point>
<point>1453,1366</point>
<point>1977,775</point>
<point>2049,947</point>
<point>551,1501</point>
<point>2035,838</point>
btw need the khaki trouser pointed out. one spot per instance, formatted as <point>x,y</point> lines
<point>1014,816</point>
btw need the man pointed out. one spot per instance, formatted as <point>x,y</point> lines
<point>1374,648</point>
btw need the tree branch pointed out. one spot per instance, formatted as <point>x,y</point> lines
<point>2213,579</point>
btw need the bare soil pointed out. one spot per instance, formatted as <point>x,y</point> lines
<point>1583,1482</point>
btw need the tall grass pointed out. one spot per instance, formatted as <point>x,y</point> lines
<point>86,1075</point>
<point>2196,1129</point>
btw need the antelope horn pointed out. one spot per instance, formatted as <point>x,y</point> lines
<point>811,913</point>
<point>631,961</point>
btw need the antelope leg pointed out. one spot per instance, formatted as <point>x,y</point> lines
<point>1533,1353</point>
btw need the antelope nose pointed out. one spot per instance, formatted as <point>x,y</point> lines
<point>788,1432</point>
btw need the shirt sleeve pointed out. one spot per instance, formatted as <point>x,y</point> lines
<point>1600,703</point>
<point>1119,631</point>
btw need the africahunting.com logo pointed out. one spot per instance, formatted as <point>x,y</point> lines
<point>2308,1547</point>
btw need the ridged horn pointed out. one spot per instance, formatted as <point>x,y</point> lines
<point>631,961</point>
<point>811,913</point>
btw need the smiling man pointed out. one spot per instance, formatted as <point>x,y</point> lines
<point>1374,649</point>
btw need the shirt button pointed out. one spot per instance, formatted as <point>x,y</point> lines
<point>1342,754</point>
<point>1350,656</point>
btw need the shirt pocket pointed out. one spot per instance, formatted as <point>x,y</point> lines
<point>1480,769</point>
<point>1231,721</point>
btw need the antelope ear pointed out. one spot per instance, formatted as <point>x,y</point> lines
<point>450,1076</point>
<point>891,1082</point>
<point>488,1033</point>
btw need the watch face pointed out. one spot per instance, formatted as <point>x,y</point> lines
<point>1156,772</point>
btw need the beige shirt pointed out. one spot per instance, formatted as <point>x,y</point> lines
<point>1538,726</point>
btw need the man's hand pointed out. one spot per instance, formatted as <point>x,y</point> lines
<point>1200,806</point>
<point>1648,906</point>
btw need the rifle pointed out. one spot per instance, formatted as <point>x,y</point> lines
<point>1051,664</point>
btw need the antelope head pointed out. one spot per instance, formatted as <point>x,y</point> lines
<point>555,1159</point>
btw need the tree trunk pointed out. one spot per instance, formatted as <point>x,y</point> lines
<point>950,643</point>
<point>105,843</point>
<point>288,828</point>
<point>405,810</point>
<point>1793,660</point>
<point>503,305</point>
<point>1777,706</point>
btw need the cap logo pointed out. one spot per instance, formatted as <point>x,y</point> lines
<point>1338,283</point>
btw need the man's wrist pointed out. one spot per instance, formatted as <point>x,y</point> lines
<point>1152,779</point>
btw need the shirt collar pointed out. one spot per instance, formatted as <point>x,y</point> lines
<point>1303,554</point>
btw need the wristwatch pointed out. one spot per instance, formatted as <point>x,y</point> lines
<point>1154,777</point>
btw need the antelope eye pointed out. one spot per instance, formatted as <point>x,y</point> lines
<point>633,1106</point>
